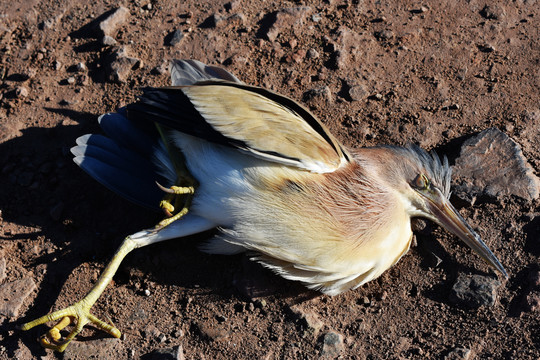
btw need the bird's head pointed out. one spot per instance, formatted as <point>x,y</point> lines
<point>424,183</point>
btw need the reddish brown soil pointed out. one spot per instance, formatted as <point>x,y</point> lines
<point>433,75</point>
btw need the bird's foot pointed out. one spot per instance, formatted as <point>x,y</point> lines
<point>77,314</point>
<point>175,194</point>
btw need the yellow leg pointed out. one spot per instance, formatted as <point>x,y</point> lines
<point>166,222</point>
<point>80,311</point>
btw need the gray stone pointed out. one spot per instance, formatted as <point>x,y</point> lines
<point>174,353</point>
<point>358,92</point>
<point>316,96</point>
<point>175,38</point>
<point>312,54</point>
<point>493,164</point>
<point>119,64</point>
<point>332,345</point>
<point>287,18</point>
<point>473,291</point>
<point>108,41</point>
<point>108,26</point>
<point>13,294</point>
<point>459,354</point>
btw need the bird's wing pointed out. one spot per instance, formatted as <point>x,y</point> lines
<point>259,121</point>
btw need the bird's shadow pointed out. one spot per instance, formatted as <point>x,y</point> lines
<point>54,212</point>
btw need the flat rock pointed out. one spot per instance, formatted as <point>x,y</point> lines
<point>473,291</point>
<point>284,19</point>
<point>119,64</point>
<point>358,92</point>
<point>332,345</point>
<point>493,164</point>
<point>211,332</point>
<point>13,294</point>
<point>94,349</point>
<point>112,21</point>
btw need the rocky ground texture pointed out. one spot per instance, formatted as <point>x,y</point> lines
<point>458,77</point>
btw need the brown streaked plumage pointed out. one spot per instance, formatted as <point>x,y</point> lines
<point>269,175</point>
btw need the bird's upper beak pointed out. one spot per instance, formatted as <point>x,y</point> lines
<point>447,216</point>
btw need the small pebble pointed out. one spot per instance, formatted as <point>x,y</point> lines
<point>57,65</point>
<point>81,67</point>
<point>21,92</point>
<point>312,54</point>
<point>175,38</point>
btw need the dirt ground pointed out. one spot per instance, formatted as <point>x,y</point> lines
<point>375,72</point>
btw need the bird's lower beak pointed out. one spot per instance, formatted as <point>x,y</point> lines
<point>447,216</point>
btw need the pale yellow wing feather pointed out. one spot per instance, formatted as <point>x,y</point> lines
<point>269,129</point>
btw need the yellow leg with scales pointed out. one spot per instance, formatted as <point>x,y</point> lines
<point>79,313</point>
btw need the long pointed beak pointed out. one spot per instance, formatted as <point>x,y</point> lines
<point>447,216</point>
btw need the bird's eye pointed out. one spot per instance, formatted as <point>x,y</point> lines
<point>421,182</point>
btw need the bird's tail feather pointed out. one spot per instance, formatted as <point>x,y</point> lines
<point>132,157</point>
<point>129,161</point>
